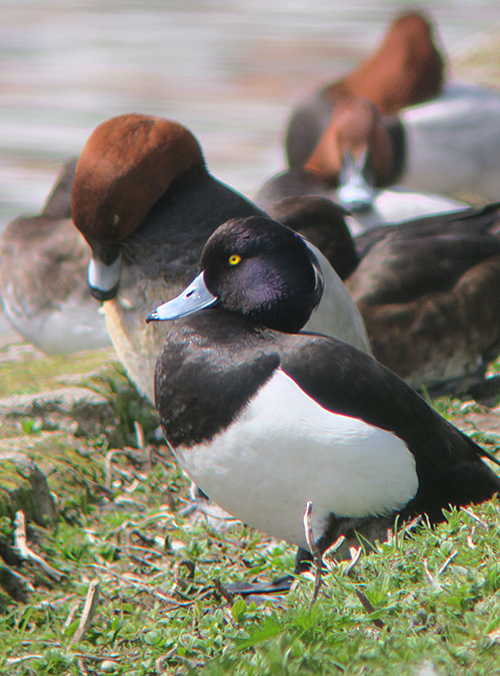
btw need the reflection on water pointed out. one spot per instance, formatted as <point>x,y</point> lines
<point>229,70</point>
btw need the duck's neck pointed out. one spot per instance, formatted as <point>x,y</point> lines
<point>211,365</point>
<point>169,242</point>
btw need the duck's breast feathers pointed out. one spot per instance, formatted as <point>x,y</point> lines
<point>207,372</point>
<point>283,449</point>
<point>126,165</point>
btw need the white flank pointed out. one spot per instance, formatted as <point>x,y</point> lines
<point>390,207</point>
<point>284,449</point>
<point>336,315</point>
<point>74,326</point>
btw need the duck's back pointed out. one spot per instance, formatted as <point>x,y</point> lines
<point>453,142</point>
<point>43,277</point>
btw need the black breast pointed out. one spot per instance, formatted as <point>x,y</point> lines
<point>210,366</point>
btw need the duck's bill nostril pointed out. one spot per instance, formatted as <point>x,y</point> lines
<point>195,297</point>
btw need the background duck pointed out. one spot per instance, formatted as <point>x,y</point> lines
<point>428,289</point>
<point>448,145</point>
<point>43,277</point>
<point>359,136</point>
<point>266,418</point>
<point>406,69</point>
<point>146,204</point>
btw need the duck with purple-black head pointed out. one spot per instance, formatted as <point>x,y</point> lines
<point>265,416</point>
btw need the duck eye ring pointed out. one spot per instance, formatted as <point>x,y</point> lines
<point>234,259</point>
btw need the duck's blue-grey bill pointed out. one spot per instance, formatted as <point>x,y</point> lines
<point>195,297</point>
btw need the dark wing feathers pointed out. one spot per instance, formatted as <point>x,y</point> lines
<point>469,221</point>
<point>396,267</point>
<point>349,382</point>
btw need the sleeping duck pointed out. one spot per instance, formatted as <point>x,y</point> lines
<point>447,145</point>
<point>146,204</point>
<point>265,417</point>
<point>405,70</point>
<point>363,132</point>
<point>428,289</point>
<point>43,277</point>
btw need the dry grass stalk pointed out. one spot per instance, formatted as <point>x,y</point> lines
<point>89,609</point>
<point>28,554</point>
<point>314,549</point>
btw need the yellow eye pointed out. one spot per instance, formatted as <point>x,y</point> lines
<point>234,259</point>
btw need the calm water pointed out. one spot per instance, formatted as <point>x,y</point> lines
<point>229,70</point>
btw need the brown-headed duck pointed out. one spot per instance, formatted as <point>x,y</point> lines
<point>394,120</point>
<point>146,203</point>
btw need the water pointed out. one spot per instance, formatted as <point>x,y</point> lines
<point>229,70</point>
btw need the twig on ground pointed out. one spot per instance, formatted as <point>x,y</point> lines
<point>447,562</point>
<point>88,611</point>
<point>329,554</point>
<point>99,658</point>
<point>139,435</point>
<point>369,608</point>
<point>24,658</point>
<point>433,579</point>
<point>223,591</point>
<point>108,463</point>
<point>475,517</point>
<point>313,547</point>
<point>71,614</point>
<point>430,577</point>
<point>355,553</point>
<point>136,583</point>
<point>28,554</point>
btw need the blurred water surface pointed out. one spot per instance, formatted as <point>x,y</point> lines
<point>229,70</point>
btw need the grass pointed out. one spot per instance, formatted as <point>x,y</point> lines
<point>424,603</point>
<point>30,372</point>
<point>433,596</point>
<point>434,593</point>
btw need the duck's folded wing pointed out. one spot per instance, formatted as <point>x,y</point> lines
<point>343,380</point>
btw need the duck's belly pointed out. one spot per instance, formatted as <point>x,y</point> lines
<point>284,450</point>
<point>454,142</point>
<point>71,325</point>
